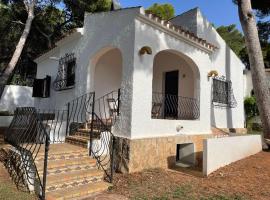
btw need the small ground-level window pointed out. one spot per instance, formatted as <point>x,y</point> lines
<point>185,155</point>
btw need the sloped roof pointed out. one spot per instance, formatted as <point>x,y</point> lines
<point>180,30</point>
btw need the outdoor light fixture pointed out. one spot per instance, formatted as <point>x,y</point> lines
<point>213,73</point>
<point>145,50</point>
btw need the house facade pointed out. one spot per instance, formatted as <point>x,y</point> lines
<point>178,80</point>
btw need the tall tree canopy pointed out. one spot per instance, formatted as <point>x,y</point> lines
<point>51,22</point>
<point>165,11</point>
<point>233,37</point>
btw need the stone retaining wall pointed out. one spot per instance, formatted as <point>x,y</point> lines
<point>139,154</point>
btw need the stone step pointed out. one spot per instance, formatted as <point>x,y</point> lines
<point>78,141</point>
<point>71,179</point>
<point>107,124</point>
<point>63,156</point>
<point>61,166</point>
<point>78,192</point>
<point>87,132</point>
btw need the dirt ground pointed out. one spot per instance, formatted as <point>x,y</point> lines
<point>248,179</point>
<point>245,179</point>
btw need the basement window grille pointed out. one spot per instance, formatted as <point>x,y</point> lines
<point>223,93</point>
<point>65,78</point>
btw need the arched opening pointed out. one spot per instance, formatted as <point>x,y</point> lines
<point>107,71</point>
<point>175,86</point>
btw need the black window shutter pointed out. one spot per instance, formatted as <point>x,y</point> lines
<point>47,85</point>
<point>41,87</point>
<point>38,88</point>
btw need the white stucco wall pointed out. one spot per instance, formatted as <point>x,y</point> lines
<point>16,96</point>
<point>219,152</point>
<point>108,73</point>
<point>5,121</point>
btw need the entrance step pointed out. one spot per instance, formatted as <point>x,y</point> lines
<point>61,166</point>
<point>70,177</point>
<point>75,178</point>
<point>81,141</point>
<point>95,134</point>
<point>78,192</point>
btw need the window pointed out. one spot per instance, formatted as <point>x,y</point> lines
<point>66,73</point>
<point>71,73</point>
<point>222,92</point>
<point>41,87</point>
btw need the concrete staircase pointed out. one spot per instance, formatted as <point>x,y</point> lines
<point>81,136</point>
<point>71,173</point>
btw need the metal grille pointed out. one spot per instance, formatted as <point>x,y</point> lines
<point>65,78</point>
<point>28,136</point>
<point>223,93</point>
<point>166,106</point>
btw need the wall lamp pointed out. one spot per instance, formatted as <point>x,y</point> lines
<point>145,50</point>
<point>212,73</point>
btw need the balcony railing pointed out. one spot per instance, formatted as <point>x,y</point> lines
<point>166,106</point>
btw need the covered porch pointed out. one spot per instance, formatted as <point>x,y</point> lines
<point>175,87</point>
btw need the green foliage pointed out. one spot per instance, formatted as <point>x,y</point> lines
<point>250,106</point>
<point>50,24</point>
<point>78,8</point>
<point>164,11</point>
<point>233,37</point>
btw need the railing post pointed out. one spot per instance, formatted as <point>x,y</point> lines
<point>47,143</point>
<point>112,157</point>
<point>68,107</point>
<point>119,101</point>
<point>92,124</point>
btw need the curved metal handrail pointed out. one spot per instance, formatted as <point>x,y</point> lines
<point>28,136</point>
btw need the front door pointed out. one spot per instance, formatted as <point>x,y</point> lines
<point>171,94</point>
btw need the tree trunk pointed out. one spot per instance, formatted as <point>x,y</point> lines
<point>261,88</point>
<point>17,53</point>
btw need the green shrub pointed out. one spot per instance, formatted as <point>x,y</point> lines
<point>251,108</point>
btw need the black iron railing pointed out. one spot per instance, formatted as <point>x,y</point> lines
<point>79,112</point>
<point>98,115</point>
<point>55,123</point>
<point>101,148</point>
<point>166,106</point>
<point>30,140</point>
<point>32,130</point>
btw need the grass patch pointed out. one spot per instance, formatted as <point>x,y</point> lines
<point>9,192</point>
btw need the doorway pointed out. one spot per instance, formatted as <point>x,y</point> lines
<point>171,94</point>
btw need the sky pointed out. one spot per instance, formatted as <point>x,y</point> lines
<point>219,12</point>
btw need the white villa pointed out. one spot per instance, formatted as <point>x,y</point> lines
<point>127,92</point>
<point>179,81</point>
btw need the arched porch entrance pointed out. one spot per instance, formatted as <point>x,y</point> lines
<point>175,86</point>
